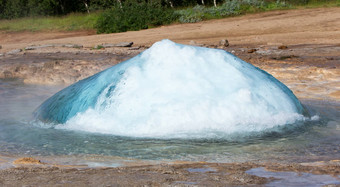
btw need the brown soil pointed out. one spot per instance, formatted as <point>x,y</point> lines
<point>289,27</point>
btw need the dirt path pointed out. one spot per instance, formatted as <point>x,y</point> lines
<point>289,27</point>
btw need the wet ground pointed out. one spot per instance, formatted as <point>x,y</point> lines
<point>31,172</point>
<point>311,71</point>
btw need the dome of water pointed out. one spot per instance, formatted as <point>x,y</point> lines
<point>173,90</point>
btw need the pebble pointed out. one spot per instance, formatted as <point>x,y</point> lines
<point>193,43</point>
<point>251,50</point>
<point>134,48</point>
<point>121,44</point>
<point>224,43</point>
<point>282,47</point>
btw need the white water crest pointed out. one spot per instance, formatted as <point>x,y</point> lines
<point>173,90</point>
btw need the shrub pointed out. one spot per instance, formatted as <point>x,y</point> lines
<point>133,16</point>
<point>191,15</point>
<point>228,8</point>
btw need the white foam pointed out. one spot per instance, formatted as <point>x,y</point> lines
<point>176,91</point>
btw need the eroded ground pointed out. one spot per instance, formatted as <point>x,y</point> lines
<point>32,172</point>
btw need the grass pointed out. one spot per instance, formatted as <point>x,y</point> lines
<point>78,21</point>
<point>322,3</point>
<point>71,22</point>
<point>241,7</point>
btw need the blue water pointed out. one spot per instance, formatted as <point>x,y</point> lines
<point>309,141</point>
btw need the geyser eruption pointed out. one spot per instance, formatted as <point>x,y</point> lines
<point>174,90</point>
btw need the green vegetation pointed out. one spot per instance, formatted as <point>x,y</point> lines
<point>134,16</point>
<point>108,16</point>
<point>239,7</point>
<point>74,21</point>
<point>228,8</point>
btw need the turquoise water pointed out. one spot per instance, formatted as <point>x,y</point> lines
<point>308,141</point>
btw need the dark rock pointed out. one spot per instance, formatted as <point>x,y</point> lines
<point>121,44</point>
<point>251,50</point>
<point>282,47</point>
<point>224,43</point>
<point>124,44</point>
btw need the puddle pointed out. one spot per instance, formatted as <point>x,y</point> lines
<point>294,179</point>
<point>104,164</point>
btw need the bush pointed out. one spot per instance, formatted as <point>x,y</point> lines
<point>191,15</point>
<point>133,16</point>
<point>228,8</point>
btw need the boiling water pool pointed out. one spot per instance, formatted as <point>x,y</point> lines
<point>307,141</point>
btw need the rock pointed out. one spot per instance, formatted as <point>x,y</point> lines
<point>282,47</point>
<point>121,44</point>
<point>30,48</point>
<point>73,46</point>
<point>124,44</point>
<point>193,43</point>
<point>38,47</point>
<point>134,48</point>
<point>0,46</point>
<point>224,43</point>
<point>251,50</point>
<point>15,51</point>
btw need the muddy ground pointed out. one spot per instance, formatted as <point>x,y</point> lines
<point>301,48</point>
<point>31,172</point>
